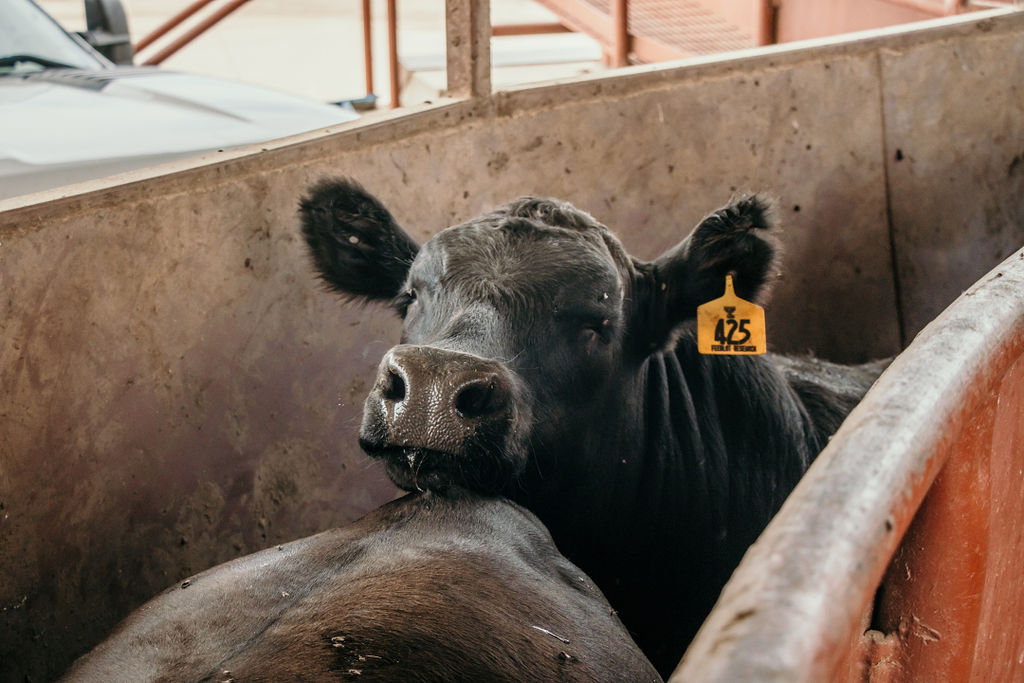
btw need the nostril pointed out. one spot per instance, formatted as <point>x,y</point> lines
<point>393,386</point>
<point>480,398</point>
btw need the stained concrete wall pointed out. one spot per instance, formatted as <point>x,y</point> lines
<point>177,390</point>
<point>955,165</point>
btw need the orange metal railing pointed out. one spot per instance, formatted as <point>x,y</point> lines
<point>230,6</point>
<point>655,30</point>
<point>194,32</point>
<point>626,29</point>
<point>170,24</point>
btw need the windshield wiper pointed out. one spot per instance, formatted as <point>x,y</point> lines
<point>11,60</point>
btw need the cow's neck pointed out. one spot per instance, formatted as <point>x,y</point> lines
<point>671,480</point>
<point>728,442</point>
<point>703,448</point>
<point>715,441</point>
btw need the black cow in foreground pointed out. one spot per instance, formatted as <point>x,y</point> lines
<point>540,361</point>
<point>426,588</point>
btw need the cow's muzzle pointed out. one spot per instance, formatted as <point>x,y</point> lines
<point>439,417</point>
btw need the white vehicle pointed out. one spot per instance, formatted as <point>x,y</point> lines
<point>69,114</point>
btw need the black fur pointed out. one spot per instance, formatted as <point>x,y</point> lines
<point>653,466</point>
<point>358,248</point>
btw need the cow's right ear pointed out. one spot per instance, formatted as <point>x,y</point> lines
<point>739,239</point>
<point>357,246</point>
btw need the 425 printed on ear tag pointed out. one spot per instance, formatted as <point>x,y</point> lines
<point>731,326</point>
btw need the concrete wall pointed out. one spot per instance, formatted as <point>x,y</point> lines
<point>177,390</point>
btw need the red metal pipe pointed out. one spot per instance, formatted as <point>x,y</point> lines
<point>393,53</point>
<point>171,23</point>
<point>620,33</point>
<point>529,29</point>
<point>766,23</point>
<point>368,47</point>
<point>198,30</point>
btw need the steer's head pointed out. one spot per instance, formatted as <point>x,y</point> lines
<point>521,327</point>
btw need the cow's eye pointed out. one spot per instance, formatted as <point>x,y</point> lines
<point>405,300</point>
<point>585,324</point>
<point>597,330</point>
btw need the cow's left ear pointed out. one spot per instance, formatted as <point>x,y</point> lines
<point>357,246</point>
<point>738,239</point>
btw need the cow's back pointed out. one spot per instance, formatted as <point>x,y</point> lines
<point>828,391</point>
<point>424,589</point>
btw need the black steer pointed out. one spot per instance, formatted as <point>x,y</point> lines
<point>427,588</point>
<point>539,360</point>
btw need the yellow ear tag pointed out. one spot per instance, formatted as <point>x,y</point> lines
<point>730,325</point>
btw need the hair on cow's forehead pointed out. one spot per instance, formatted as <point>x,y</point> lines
<point>557,213</point>
<point>551,212</point>
<point>520,254</point>
<point>525,253</point>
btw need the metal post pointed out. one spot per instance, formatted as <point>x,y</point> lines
<point>468,30</point>
<point>620,29</point>
<point>393,53</point>
<point>766,23</point>
<point>368,46</point>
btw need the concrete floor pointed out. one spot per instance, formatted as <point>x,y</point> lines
<point>314,47</point>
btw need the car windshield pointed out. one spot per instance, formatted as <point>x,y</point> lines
<point>30,40</point>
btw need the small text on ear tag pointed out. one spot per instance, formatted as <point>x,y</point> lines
<point>730,325</point>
